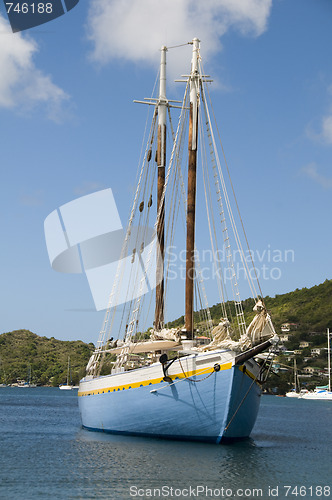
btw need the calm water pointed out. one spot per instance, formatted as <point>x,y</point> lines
<point>45,454</point>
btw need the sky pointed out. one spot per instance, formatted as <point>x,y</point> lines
<point>69,128</point>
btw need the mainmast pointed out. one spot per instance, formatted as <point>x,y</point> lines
<point>161,161</point>
<point>191,200</point>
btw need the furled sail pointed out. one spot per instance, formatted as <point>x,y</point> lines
<point>259,330</point>
<point>221,335</point>
<point>166,334</point>
<point>261,327</point>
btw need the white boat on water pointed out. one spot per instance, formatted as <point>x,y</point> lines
<point>292,394</point>
<point>68,386</point>
<point>295,394</point>
<point>162,383</point>
<point>26,384</point>
<point>65,387</point>
<point>323,393</point>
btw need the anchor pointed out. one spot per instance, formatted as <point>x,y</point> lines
<point>166,364</point>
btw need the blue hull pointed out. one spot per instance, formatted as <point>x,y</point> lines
<point>221,406</point>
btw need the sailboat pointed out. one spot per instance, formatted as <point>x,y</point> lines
<point>68,386</point>
<point>4,378</point>
<point>159,381</point>
<point>323,393</point>
<point>26,384</point>
<point>295,392</point>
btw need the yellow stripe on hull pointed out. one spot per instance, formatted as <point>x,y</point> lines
<point>245,370</point>
<point>204,371</point>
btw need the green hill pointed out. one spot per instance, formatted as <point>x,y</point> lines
<point>311,308</point>
<point>48,358</point>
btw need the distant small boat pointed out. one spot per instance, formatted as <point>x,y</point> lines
<point>3,384</point>
<point>24,383</point>
<point>68,386</point>
<point>323,393</point>
<point>294,393</point>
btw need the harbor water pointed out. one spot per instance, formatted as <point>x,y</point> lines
<point>45,454</point>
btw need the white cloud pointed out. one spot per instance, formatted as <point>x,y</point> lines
<point>22,84</point>
<point>327,129</point>
<point>88,187</point>
<point>135,30</point>
<point>33,199</point>
<point>322,132</point>
<point>311,171</point>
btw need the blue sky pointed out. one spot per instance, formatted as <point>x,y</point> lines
<point>69,128</point>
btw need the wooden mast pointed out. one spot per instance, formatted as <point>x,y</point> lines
<point>161,162</point>
<point>191,201</point>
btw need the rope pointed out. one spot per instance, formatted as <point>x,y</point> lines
<point>191,379</point>
<point>182,45</point>
<point>233,190</point>
<point>208,203</point>
<point>135,312</point>
<point>181,380</point>
<point>215,161</point>
<point>246,394</point>
<point>105,332</point>
<point>148,181</point>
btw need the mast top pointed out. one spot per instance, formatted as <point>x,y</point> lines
<point>162,80</point>
<point>195,55</point>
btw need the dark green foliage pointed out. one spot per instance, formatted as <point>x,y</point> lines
<point>311,308</point>
<point>22,351</point>
<point>279,383</point>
